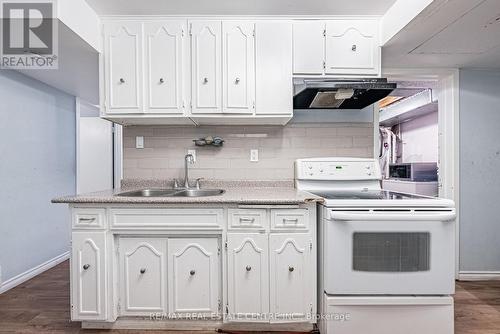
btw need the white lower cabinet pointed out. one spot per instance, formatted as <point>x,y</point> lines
<point>143,276</point>
<point>291,285</point>
<point>88,270</point>
<point>194,271</point>
<point>248,277</point>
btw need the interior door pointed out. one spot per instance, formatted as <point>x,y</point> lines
<point>290,284</point>
<point>194,271</point>
<point>142,275</point>
<point>206,61</point>
<point>165,66</point>
<point>248,276</point>
<point>123,67</point>
<point>238,61</point>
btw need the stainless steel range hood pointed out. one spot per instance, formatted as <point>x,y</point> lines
<point>339,94</point>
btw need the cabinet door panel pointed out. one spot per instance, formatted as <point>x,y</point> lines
<point>165,66</point>
<point>238,66</point>
<point>143,275</point>
<point>290,286</point>
<point>88,276</point>
<point>352,47</point>
<point>248,288</point>
<point>206,66</point>
<point>123,66</point>
<point>308,47</point>
<point>274,84</point>
<point>194,275</point>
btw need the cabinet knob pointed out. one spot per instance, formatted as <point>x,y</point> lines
<point>290,268</point>
<point>192,272</point>
<point>161,80</point>
<point>86,266</point>
<point>205,80</point>
<point>354,47</point>
<point>122,80</point>
<point>143,270</point>
<point>248,268</point>
<point>237,81</point>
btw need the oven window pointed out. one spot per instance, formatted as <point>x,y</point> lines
<point>391,252</point>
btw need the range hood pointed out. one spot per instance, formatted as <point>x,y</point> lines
<point>340,93</point>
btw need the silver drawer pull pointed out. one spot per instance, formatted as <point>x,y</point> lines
<point>293,220</point>
<point>205,80</point>
<point>192,272</point>
<point>143,270</point>
<point>86,220</point>
<point>248,268</point>
<point>354,47</point>
<point>161,80</point>
<point>122,80</point>
<point>247,220</point>
<point>86,266</point>
<point>237,81</point>
<point>290,268</point>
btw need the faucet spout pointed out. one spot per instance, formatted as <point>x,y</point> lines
<point>188,159</point>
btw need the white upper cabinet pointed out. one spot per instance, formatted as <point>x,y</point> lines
<point>165,66</point>
<point>122,67</point>
<point>352,47</point>
<point>274,84</point>
<point>343,47</point>
<point>238,59</point>
<point>206,66</point>
<point>308,47</point>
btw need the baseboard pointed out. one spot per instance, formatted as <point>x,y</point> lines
<point>21,278</point>
<point>478,275</point>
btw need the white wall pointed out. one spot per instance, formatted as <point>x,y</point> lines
<point>37,163</point>
<point>479,167</point>
<point>420,139</point>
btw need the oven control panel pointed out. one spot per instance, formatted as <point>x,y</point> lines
<point>337,169</point>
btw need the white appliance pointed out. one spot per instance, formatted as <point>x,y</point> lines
<point>386,259</point>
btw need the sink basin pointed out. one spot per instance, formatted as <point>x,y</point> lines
<point>199,192</point>
<point>171,193</point>
<point>148,193</point>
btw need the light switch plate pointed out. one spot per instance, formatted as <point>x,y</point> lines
<point>254,155</point>
<point>139,142</point>
<point>193,153</point>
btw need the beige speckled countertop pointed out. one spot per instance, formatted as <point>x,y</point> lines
<point>237,192</point>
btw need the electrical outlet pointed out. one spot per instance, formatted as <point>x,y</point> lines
<point>193,153</point>
<point>254,155</point>
<point>139,142</point>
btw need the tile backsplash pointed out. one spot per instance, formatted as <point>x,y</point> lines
<point>165,148</point>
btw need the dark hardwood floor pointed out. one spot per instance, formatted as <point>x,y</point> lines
<point>41,305</point>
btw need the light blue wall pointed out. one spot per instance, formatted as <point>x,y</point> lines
<point>479,170</point>
<point>37,163</point>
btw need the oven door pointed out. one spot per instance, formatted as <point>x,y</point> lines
<point>389,252</point>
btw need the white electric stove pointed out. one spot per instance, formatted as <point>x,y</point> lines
<point>386,259</point>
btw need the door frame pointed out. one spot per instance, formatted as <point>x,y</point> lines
<point>448,125</point>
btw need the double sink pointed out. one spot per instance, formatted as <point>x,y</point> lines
<point>171,193</point>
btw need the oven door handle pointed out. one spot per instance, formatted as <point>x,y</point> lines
<point>447,216</point>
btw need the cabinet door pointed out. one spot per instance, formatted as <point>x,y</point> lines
<point>274,84</point>
<point>165,66</point>
<point>142,276</point>
<point>352,47</point>
<point>308,47</point>
<point>238,79</point>
<point>291,289</point>
<point>123,67</point>
<point>194,270</point>
<point>248,279</point>
<point>88,280</point>
<point>206,66</point>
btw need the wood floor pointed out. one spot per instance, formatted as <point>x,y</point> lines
<point>41,305</point>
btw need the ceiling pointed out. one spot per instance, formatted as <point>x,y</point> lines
<point>240,7</point>
<point>449,33</point>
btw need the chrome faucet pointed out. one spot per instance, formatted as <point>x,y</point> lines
<point>188,159</point>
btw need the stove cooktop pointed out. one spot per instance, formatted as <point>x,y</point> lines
<point>367,195</point>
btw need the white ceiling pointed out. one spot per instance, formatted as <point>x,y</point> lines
<point>458,33</point>
<point>240,7</point>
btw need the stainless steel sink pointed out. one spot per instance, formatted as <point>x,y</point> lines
<point>171,193</point>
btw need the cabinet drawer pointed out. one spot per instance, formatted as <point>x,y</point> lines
<point>295,219</point>
<point>88,218</point>
<point>254,219</point>
<point>166,219</point>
